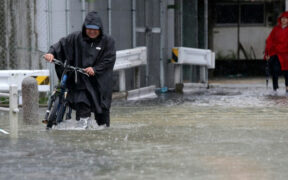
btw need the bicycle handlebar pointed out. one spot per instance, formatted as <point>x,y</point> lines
<point>81,70</point>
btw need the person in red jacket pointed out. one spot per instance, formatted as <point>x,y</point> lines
<point>276,50</point>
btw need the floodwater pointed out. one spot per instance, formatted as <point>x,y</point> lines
<point>214,134</point>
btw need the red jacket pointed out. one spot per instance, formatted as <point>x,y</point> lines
<point>277,43</point>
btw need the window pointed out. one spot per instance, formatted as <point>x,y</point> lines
<point>227,14</point>
<point>252,14</point>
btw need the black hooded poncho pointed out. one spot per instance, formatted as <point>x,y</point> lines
<point>81,51</point>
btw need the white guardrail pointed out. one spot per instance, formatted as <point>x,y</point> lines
<point>9,77</point>
<point>205,58</point>
<point>129,58</point>
<point>13,109</point>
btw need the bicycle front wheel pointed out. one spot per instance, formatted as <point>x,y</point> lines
<point>60,113</point>
<point>53,113</point>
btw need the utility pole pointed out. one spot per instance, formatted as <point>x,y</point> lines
<point>238,31</point>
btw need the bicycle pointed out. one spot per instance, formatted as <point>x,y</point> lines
<point>57,103</point>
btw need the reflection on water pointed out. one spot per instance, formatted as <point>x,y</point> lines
<point>215,134</point>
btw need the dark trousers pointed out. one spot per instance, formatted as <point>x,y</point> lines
<point>83,110</point>
<point>275,71</point>
<point>103,118</point>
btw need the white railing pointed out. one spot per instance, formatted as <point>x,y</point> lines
<point>204,58</point>
<point>8,77</point>
<point>129,58</point>
<point>13,108</point>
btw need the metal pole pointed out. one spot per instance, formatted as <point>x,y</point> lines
<point>67,13</point>
<point>162,39</point>
<point>205,37</point>
<point>178,74</point>
<point>178,24</point>
<point>7,33</point>
<point>122,80</point>
<point>286,5</point>
<point>137,72</point>
<point>83,10</point>
<point>49,20</point>
<point>178,68</point>
<point>147,34</point>
<point>109,17</point>
<point>238,31</point>
<point>133,23</point>
<point>203,74</point>
<point>13,112</point>
<point>205,24</point>
<point>194,69</point>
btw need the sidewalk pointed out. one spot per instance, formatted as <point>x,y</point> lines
<point>252,80</point>
<point>257,82</point>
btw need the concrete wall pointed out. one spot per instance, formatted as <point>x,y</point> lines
<point>225,41</point>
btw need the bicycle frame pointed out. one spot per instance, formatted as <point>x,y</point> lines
<point>57,103</point>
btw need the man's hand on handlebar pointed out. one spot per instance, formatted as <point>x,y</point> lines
<point>49,57</point>
<point>90,71</point>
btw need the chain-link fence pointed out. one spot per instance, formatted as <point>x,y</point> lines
<point>28,27</point>
<point>22,25</point>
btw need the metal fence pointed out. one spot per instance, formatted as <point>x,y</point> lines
<point>21,29</point>
<point>28,27</point>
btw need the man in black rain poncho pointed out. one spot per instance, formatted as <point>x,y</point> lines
<point>95,51</point>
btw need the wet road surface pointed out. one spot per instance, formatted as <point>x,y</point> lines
<point>221,133</point>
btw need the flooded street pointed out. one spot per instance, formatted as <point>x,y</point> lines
<point>214,134</point>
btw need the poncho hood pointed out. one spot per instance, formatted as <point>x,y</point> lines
<point>284,14</point>
<point>92,18</point>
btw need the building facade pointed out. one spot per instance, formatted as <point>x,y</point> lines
<point>233,29</point>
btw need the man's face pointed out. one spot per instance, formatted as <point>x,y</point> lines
<point>284,21</point>
<point>92,33</point>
